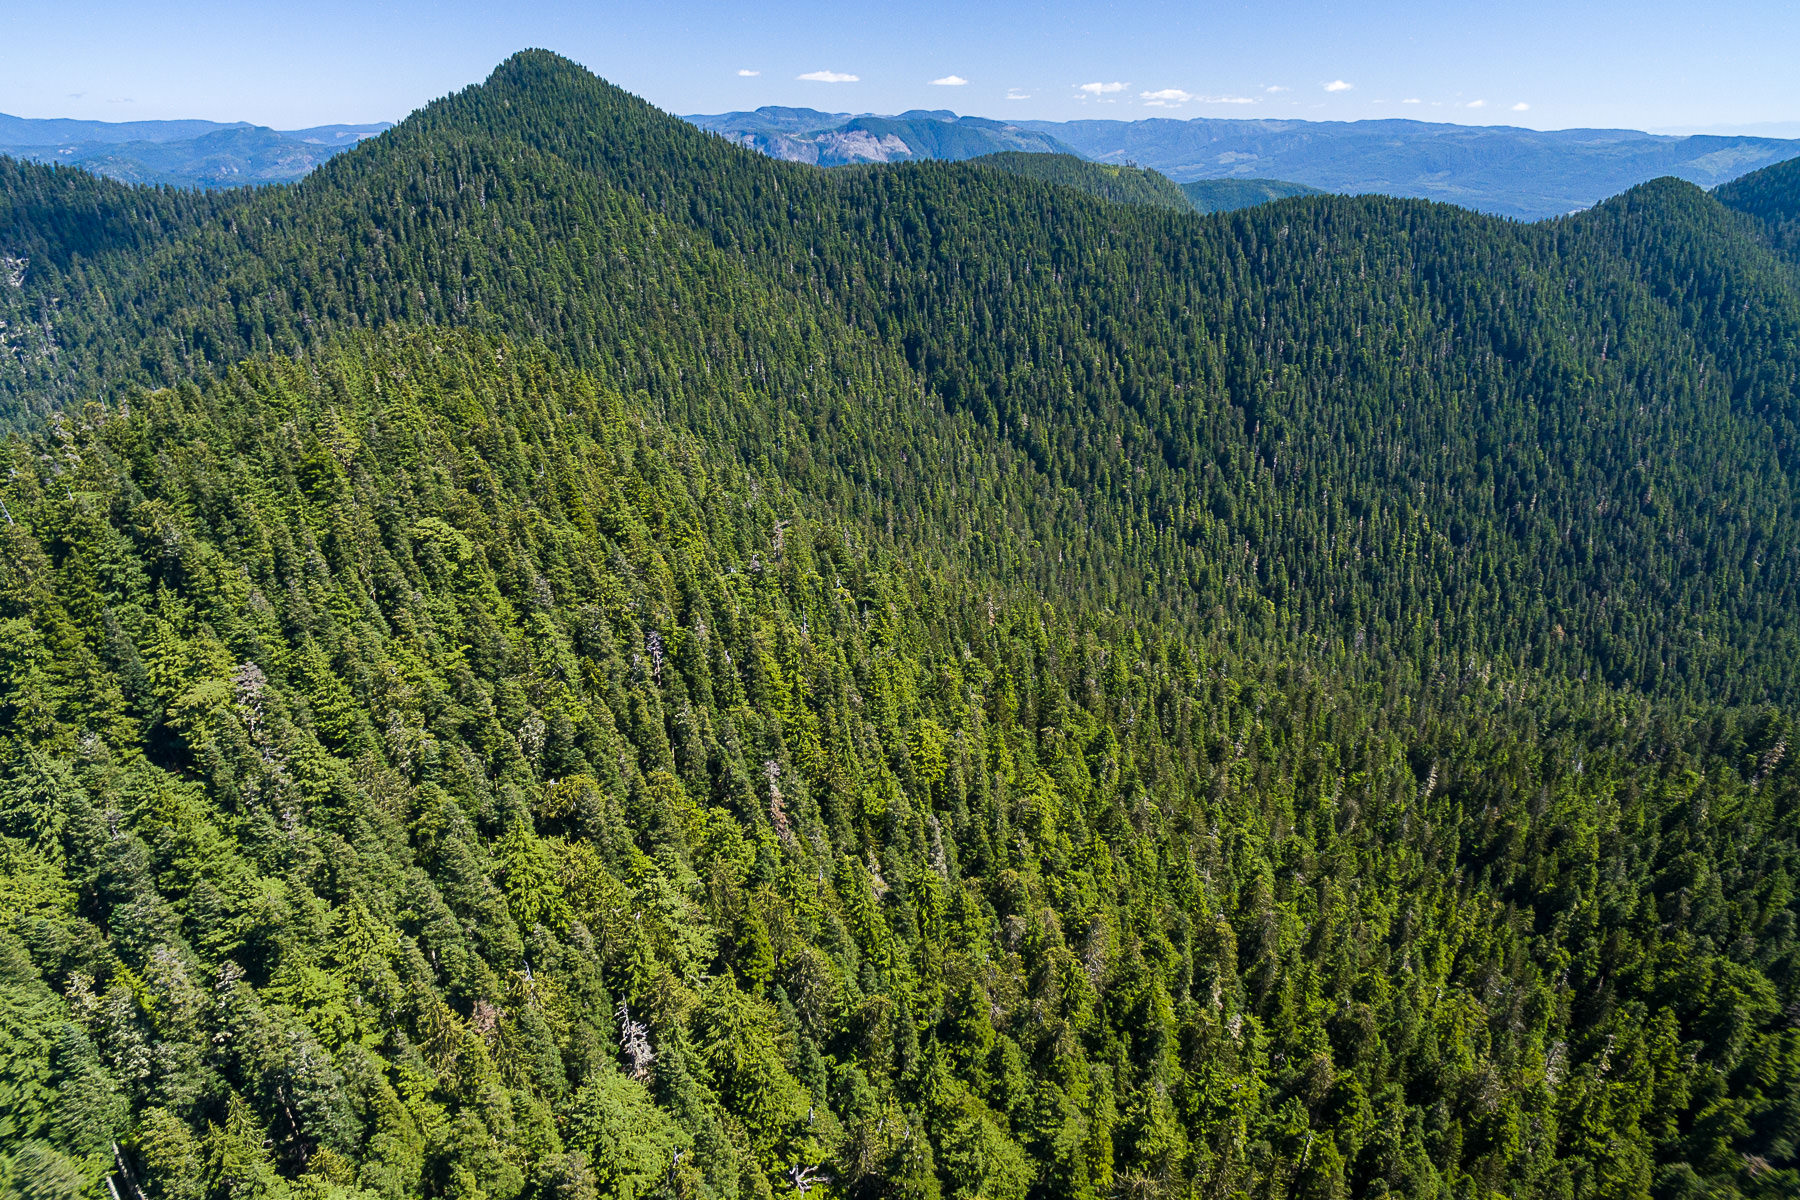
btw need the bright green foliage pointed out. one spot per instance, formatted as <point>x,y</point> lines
<point>906,879</point>
<point>902,682</point>
<point>634,1148</point>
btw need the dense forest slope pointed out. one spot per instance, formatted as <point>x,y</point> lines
<point>1121,185</point>
<point>561,658</point>
<point>1227,195</point>
<point>1367,424</point>
<point>1771,197</point>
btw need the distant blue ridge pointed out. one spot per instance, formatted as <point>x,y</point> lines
<point>180,153</point>
<point>1505,170</point>
<point>1526,174</point>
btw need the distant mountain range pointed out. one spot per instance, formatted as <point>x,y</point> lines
<point>1523,173</point>
<point>1500,169</point>
<point>205,154</point>
<point>837,139</point>
<point>1513,172</point>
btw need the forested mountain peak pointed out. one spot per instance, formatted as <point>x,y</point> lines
<point>557,106</point>
<point>542,81</point>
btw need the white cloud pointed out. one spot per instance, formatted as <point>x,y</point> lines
<point>1478,104</point>
<point>1016,94</point>
<point>1521,106</point>
<point>1412,100</point>
<point>1276,87</point>
<point>829,77</point>
<point>1338,85</point>
<point>1100,89</point>
<point>1166,97</point>
<point>949,81</point>
<point>747,73</point>
<point>1175,97</point>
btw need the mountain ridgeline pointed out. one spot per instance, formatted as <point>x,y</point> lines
<point>560,658</point>
<point>835,139</point>
<point>1520,173</point>
<point>1506,170</point>
<point>206,154</point>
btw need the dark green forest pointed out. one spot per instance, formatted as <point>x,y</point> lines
<point>1118,183</point>
<point>1224,195</point>
<point>558,658</point>
<point>1771,197</point>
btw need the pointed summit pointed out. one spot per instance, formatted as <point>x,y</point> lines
<point>557,107</point>
<point>540,107</point>
<point>543,77</point>
<point>535,66</point>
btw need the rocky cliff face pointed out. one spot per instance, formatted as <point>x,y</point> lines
<point>835,139</point>
<point>829,147</point>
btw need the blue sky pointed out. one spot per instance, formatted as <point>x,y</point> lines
<point>1651,64</point>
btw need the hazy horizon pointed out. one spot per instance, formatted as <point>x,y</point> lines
<point>1784,130</point>
<point>1654,66</point>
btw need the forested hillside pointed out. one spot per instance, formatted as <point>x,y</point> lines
<point>1243,409</point>
<point>1226,195</point>
<point>1771,197</point>
<point>1120,184</point>
<point>560,658</point>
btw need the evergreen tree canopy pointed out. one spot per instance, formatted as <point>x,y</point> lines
<point>559,658</point>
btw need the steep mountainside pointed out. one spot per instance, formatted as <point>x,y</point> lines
<point>561,658</point>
